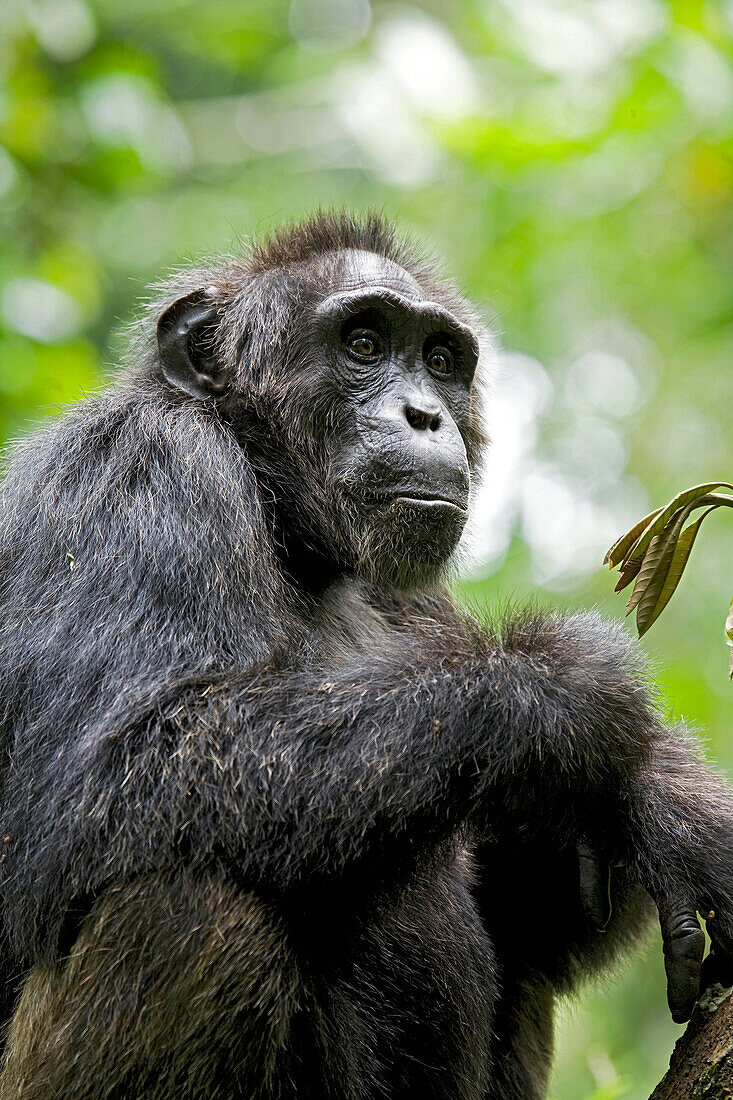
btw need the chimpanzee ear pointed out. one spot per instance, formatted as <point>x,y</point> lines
<point>187,346</point>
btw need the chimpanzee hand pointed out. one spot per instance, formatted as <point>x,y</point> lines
<point>594,877</point>
<point>684,947</point>
<point>683,939</point>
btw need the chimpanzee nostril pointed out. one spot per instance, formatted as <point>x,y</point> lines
<point>420,419</point>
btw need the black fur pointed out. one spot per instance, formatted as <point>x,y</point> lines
<point>274,827</point>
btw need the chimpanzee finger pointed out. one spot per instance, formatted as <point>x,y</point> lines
<point>718,966</point>
<point>595,885</point>
<point>684,946</point>
<point>717,969</point>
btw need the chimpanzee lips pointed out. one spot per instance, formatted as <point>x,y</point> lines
<point>431,502</point>
<point>417,499</point>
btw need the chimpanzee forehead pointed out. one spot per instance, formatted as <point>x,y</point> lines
<point>357,268</point>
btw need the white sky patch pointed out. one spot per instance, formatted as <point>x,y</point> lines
<point>569,496</point>
<point>703,76</point>
<point>519,394</point>
<point>279,123</point>
<point>427,64</point>
<point>65,29</point>
<point>40,310</point>
<point>329,24</point>
<point>583,37</point>
<point>567,528</point>
<point>630,24</point>
<point>373,112</point>
<point>559,522</point>
<point>594,446</point>
<point>417,71</point>
<point>599,381</point>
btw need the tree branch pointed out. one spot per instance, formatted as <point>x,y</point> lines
<point>701,1067</point>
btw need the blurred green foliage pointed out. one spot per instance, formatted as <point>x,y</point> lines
<point>574,161</point>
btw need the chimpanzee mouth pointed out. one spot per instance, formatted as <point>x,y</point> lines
<point>433,503</point>
<point>427,501</point>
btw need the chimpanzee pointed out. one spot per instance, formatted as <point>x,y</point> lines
<point>278,820</point>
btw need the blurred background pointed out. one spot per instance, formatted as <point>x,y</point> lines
<point>572,160</point>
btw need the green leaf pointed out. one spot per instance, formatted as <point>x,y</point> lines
<point>655,567</point>
<point>658,559</point>
<point>629,570</point>
<point>617,553</point>
<point>648,597</point>
<point>686,497</point>
<point>649,612</point>
<point>651,560</point>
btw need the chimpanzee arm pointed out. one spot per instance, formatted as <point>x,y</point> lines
<point>680,830</point>
<point>562,892</point>
<point>296,774</point>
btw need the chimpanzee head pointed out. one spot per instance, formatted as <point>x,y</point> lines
<point>347,370</point>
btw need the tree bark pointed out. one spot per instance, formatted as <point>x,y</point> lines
<point>701,1067</point>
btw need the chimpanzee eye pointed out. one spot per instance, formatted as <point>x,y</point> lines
<point>440,361</point>
<point>363,344</point>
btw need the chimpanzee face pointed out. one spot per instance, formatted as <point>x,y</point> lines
<point>363,407</point>
<point>403,367</point>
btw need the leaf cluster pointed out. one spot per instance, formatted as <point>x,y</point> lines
<point>656,550</point>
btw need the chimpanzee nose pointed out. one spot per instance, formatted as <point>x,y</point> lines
<point>423,415</point>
